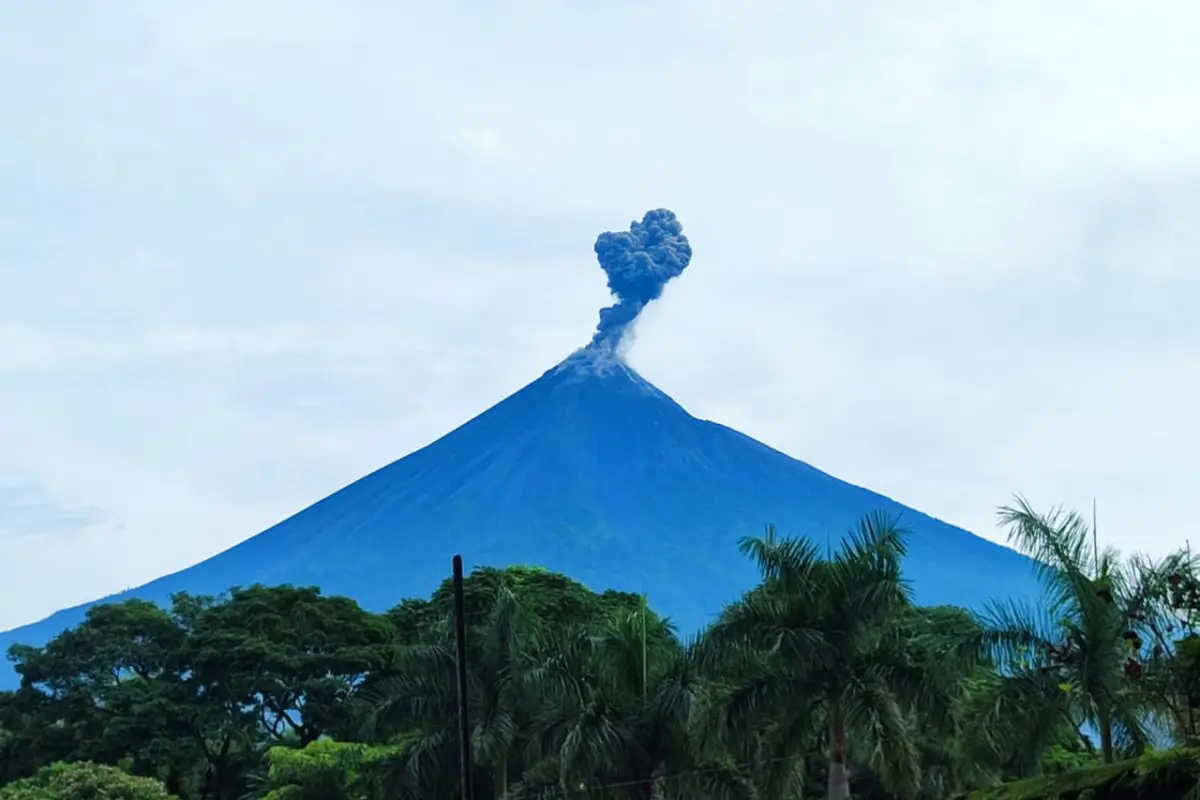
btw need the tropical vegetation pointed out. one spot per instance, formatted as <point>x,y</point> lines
<point>823,680</point>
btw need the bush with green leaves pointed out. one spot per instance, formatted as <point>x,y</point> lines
<point>329,770</point>
<point>84,781</point>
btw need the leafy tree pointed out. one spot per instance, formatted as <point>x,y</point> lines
<point>111,688</point>
<point>552,599</point>
<point>290,654</point>
<point>328,770</point>
<point>192,695</point>
<point>30,736</point>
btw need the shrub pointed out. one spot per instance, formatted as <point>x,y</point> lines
<point>329,770</point>
<point>84,781</point>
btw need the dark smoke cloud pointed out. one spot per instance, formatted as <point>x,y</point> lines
<point>639,262</point>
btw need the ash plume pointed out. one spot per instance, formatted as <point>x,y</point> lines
<point>638,262</point>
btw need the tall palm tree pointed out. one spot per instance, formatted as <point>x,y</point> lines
<point>1076,656</point>
<point>811,655</point>
<point>1009,721</point>
<point>615,706</point>
<point>929,642</point>
<point>417,702</point>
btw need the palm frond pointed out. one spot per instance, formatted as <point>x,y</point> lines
<point>871,707</point>
<point>864,581</point>
<point>787,561</point>
<point>1059,543</point>
<point>1016,633</point>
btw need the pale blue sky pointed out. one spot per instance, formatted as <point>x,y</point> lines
<point>252,251</point>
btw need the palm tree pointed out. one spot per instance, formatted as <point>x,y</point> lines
<point>1009,721</point>
<point>929,640</point>
<point>616,702</point>
<point>1076,656</point>
<point>1172,596</point>
<point>417,702</point>
<point>810,655</point>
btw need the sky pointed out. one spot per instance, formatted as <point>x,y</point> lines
<point>250,252</point>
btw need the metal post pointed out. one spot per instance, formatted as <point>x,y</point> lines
<point>460,649</point>
<point>645,608</point>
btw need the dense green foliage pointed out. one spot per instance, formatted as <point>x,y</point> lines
<point>1159,775</point>
<point>823,680</point>
<point>84,781</point>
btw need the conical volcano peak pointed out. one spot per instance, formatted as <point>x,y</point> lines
<point>601,359</point>
<point>638,263</point>
<point>602,362</point>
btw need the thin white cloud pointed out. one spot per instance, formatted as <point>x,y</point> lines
<point>28,511</point>
<point>943,249</point>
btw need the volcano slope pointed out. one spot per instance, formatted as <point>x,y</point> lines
<point>590,471</point>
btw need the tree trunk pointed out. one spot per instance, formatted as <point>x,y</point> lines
<point>839,778</point>
<point>1106,737</point>
<point>501,779</point>
<point>658,789</point>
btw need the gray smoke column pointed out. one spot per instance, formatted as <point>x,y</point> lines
<point>638,262</point>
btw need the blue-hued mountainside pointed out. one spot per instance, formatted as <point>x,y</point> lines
<point>590,471</point>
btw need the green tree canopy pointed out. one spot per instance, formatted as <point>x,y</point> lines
<point>824,678</point>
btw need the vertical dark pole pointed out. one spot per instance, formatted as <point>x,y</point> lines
<point>460,649</point>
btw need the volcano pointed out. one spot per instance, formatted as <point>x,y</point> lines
<point>591,471</point>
